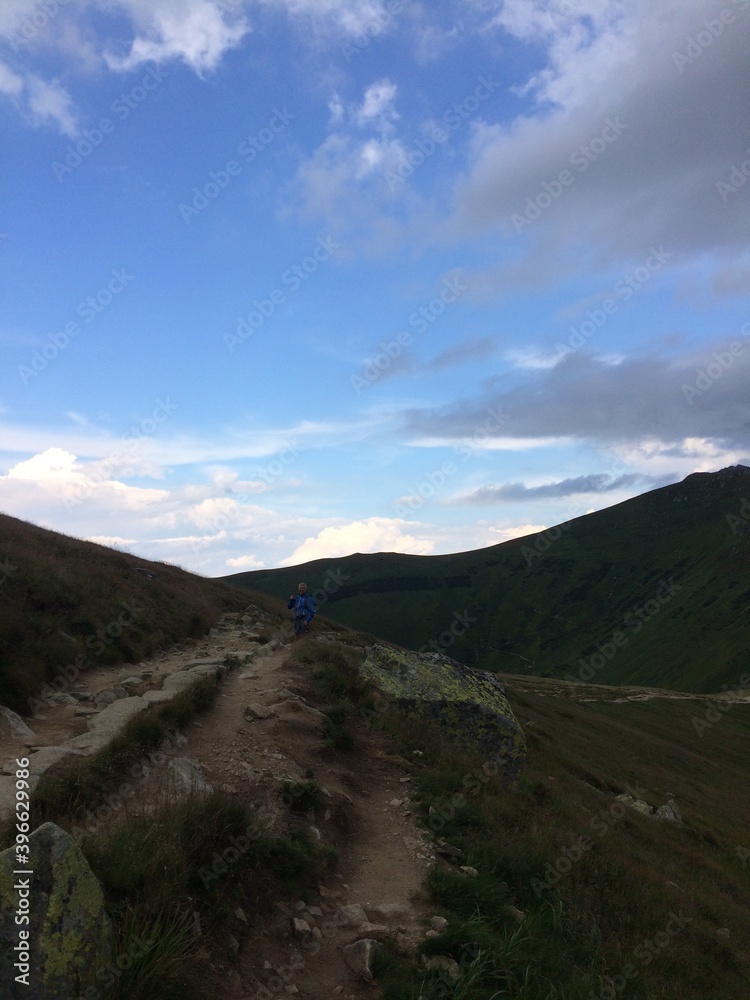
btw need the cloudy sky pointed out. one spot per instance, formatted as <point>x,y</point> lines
<point>284,279</point>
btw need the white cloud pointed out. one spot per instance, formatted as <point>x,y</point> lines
<point>11,84</point>
<point>49,101</point>
<point>245,562</point>
<point>55,463</point>
<point>377,106</point>
<point>198,32</point>
<point>374,534</point>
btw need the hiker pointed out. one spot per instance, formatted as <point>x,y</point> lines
<point>304,610</point>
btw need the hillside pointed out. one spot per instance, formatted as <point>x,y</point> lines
<point>654,591</point>
<point>67,604</point>
<point>570,892</point>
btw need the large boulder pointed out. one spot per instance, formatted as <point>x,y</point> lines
<point>69,935</point>
<point>469,706</point>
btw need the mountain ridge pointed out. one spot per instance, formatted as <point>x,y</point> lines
<point>654,590</point>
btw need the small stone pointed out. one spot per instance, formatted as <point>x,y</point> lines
<point>240,914</point>
<point>255,711</point>
<point>723,932</point>
<point>301,927</point>
<point>358,957</point>
<point>449,851</point>
<point>396,802</point>
<point>315,911</point>
<point>439,923</point>
<point>350,916</point>
<point>468,870</point>
<point>518,915</point>
<point>432,934</point>
<point>388,913</point>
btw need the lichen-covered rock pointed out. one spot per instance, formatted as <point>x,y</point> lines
<point>69,935</point>
<point>469,706</point>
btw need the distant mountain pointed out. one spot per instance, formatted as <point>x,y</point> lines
<point>653,591</point>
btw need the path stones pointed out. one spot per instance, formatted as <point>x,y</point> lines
<point>15,724</point>
<point>108,724</point>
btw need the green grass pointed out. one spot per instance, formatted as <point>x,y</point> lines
<point>551,604</point>
<point>67,605</point>
<point>613,904</point>
<point>191,864</point>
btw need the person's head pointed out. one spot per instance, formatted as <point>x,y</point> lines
<point>302,588</point>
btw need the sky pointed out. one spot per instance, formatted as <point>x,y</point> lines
<point>291,279</point>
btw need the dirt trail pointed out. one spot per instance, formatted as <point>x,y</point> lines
<point>383,855</point>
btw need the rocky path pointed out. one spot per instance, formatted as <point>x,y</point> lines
<point>265,729</point>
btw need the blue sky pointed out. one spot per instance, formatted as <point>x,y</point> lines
<point>283,280</point>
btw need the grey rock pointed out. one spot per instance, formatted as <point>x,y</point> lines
<point>470,707</point>
<point>637,804</point>
<point>107,724</point>
<point>359,956</point>
<point>185,777</point>
<point>106,697</point>
<point>70,935</point>
<point>668,813</point>
<point>352,915</point>
<point>14,724</point>
<point>388,913</point>
<point>46,757</point>
<point>255,711</point>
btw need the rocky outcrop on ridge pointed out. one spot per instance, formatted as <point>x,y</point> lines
<point>469,706</point>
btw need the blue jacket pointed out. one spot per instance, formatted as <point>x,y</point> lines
<point>303,606</point>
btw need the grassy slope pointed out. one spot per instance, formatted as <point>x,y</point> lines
<point>559,840</point>
<point>545,604</point>
<point>65,602</point>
